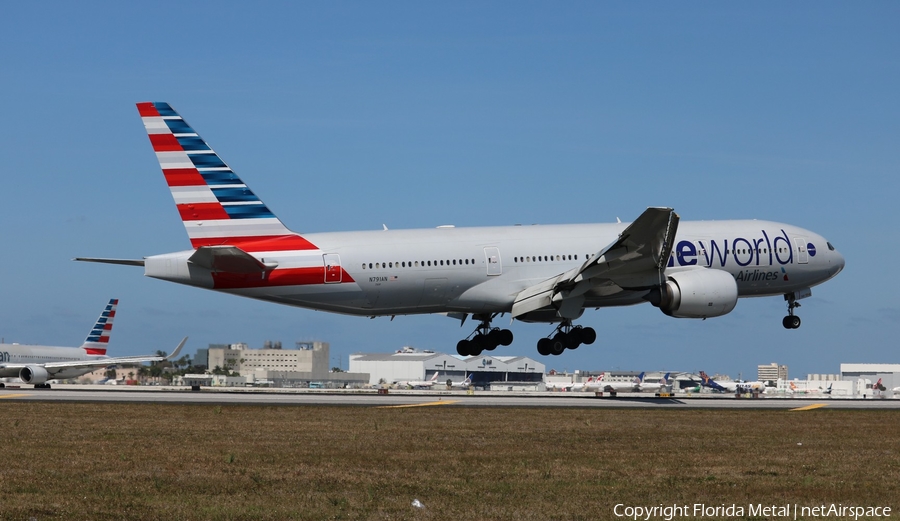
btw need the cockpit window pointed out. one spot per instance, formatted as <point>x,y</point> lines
<point>830,247</point>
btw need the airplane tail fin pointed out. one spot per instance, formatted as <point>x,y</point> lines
<point>434,378</point>
<point>216,207</point>
<point>97,340</point>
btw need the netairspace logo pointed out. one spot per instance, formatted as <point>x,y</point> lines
<point>723,511</point>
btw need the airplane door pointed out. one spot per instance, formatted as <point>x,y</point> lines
<point>802,254</point>
<point>492,259</point>
<point>333,271</point>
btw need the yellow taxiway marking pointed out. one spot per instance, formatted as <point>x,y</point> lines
<point>428,404</point>
<point>13,395</point>
<point>811,407</point>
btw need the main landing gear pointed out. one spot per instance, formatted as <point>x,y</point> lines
<point>791,321</point>
<point>566,336</point>
<point>486,339</point>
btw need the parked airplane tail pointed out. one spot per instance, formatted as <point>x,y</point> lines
<point>216,207</point>
<point>98,338</point>
<point>434,378</point>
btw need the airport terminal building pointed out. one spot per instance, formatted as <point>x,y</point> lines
<point>412,365</point>
<point>306,365</point>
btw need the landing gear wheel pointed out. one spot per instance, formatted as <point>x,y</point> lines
<point>558,344</point>
<point>791,322</point>
<point>588,335</point>
<point>573,338</point>
<point>462,347</point>
<point>543,346</point>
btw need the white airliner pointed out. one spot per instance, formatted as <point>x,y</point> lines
<point>464,384</point>
<point>571,386</point>
<point>421,383</point>
<point>548,274</point>
<point>616,386</point>
<point>655,386</point>
<point>37,364</point>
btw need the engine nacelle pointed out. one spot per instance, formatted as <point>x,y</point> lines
<point>696,293</point>
<point>33,374</point>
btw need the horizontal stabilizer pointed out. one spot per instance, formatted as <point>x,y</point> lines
<point>125,262</point>
<point>228,259</point>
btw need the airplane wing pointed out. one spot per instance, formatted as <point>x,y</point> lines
<point>55,367</point>
<point>635,260</point>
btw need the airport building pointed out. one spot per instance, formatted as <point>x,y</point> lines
<point>866,377</point>
<point>771,372</point>
<point>412,365</point>
<point>306,365</point>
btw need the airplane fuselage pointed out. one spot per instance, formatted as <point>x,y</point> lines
<point>481,270</point>
<point>17,354</point>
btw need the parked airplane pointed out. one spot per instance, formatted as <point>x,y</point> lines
<point>570,386</point>
<point>628,387</point>
<point>463,384</point>
<point>724,386</point>
<point>654,386</point>
<point>691,389</point>
<point>752,387</point>
<point>420,383</point>
<point>547,274</point>
<point>35,365</point>
<point>824,391</point>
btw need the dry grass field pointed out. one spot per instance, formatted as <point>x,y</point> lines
<point>149,461</point>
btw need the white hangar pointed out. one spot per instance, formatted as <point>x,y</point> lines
<point>411,365</point>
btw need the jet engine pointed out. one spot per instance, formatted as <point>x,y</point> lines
<point>696,293</point>
<point>33,374</point>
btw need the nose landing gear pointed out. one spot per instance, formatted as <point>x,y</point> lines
<point>791,321</point>
<point>566,336</point>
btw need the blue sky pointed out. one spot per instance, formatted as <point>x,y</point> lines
<point>346,115</point>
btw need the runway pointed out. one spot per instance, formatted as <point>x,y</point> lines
<point>237,396</point>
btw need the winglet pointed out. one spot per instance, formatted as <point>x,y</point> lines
<point>177,350</point>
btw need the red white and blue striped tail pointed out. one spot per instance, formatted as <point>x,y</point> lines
<point>217,208</point>
<point>97,340</point>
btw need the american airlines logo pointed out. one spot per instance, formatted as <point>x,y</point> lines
<point>4,356</point>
